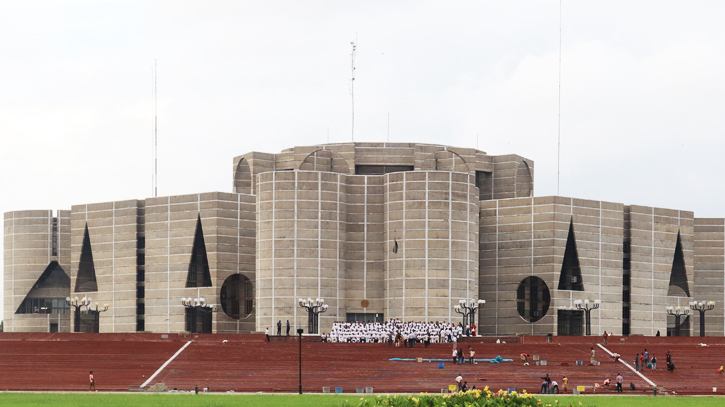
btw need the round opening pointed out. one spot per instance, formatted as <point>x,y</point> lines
<point>237,296</point>
<point>532,299</point>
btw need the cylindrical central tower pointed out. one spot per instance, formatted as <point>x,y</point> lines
<point>301,229</point>
<point>433,216</point>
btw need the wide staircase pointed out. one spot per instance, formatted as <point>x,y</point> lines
<point>247,363</point>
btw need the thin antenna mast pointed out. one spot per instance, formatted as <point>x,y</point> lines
<point>156,159</point>
<point>388,127</point>
<point>352,85</point>
<point>558,142</point>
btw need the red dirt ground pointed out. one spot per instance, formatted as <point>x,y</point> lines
<point>246,363</point>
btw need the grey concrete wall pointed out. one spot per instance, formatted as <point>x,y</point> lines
<point>653,240</point>
<point>301,246</point>
<point>434,217</point>
<point>527,237</point>
<point>112,229</point>
<point>709,276</point>
<point>27,252</point>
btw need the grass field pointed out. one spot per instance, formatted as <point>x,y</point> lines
<point>316,400</point>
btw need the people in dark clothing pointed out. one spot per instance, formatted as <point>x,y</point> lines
<point>288,326</point>
<point>545,384</point>
<point>279,327</point>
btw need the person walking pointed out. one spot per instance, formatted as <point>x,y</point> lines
<point>620,380</point>
<point>93,381</point>
<point>288,326</point>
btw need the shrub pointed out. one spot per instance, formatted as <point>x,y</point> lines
<point>471,398</point>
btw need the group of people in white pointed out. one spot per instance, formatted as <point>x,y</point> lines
<point>395,332</point>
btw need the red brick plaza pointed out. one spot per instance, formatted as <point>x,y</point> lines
<point>247,363</point>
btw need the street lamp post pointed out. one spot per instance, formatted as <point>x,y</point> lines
<point>299,332</point>
<point>587,308</point>
<point>677,312</point>
<point>77,304</point>
<point>314,308</point>
<point>702,307</point>
<point>468,309</point>
<point>198,305</point>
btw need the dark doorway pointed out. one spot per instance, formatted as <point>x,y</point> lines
<point>198,320</point>
<point>570,322</point>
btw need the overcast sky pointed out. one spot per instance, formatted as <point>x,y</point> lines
<point>642,92</point>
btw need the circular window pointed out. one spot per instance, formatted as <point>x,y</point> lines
<point>532,299</point>
<point>237,296</point>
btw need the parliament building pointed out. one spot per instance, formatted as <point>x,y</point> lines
<point>323,221</point>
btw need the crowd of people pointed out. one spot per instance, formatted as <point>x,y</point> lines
<point>396,332</point>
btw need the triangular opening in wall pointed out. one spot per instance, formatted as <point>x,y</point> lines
<point>678,276</point>
<point>571,275</point>
<point>53,284</point>
<point>198,275</point>
<point>86,278</point>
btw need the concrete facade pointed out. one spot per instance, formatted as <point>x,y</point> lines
<point>33,241</point>
<point>321,222</point>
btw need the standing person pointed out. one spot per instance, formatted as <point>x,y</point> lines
<point>288,327</point>
<point>545,384</point>
<point>654,362</point>
<point>636,362</point>
<point>459,381</point>
<point>620,379</point>
<point>460,356</point>
<point>668,357</point>
<point>93,381</point>
<point>564,384</point>
<point>473,329</point>
<point>641,362</point>
<point>455,355</point>
<point>279,328</point>
<point>471,354</point>
<point>266,333</point>
<point>605,338</point>
<point>646,357</point>
<point>593,354</point>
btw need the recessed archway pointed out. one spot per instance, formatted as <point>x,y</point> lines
<point>445,160</point>
<point>325,160</point>
<point>237,296</point>
<point>532,299</point>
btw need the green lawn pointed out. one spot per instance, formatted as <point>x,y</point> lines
<point>316,400</point>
